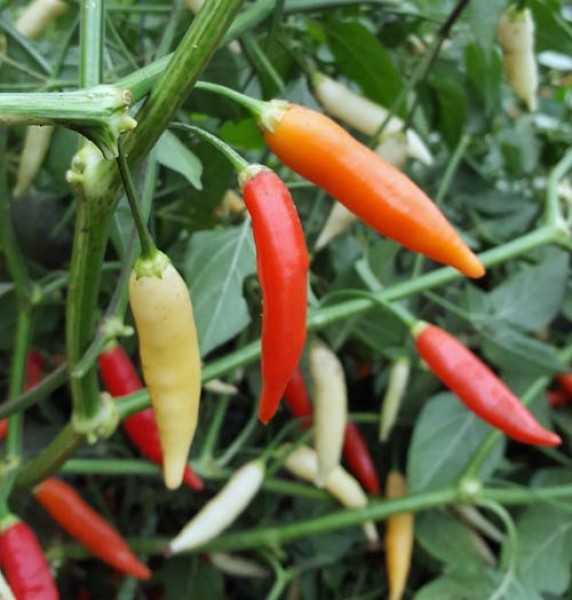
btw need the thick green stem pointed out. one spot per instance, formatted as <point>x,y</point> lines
<point>92,40</point>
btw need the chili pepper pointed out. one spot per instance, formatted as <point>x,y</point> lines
<point>170,357</point>
<point>364,115</point>
<point>24,563</point>
<point>480,390</point>
<point>5,591</point>
<point>222,510</point>
<point>282,266</point>
<point>558,398</point>
<point>302,462</point>
<point>33,376</point>
<point>120,378</point>
<point>36,146</point>
<point>321,151</point>
<point>83,523</point>
<point>398,539</point>
<point>516,38</point>
<point>37,16</point>
<point>355,450</point>
<point>396,386</point>
<point>237,566</point>
<point>564,380</point>
<point>330,405</point>
<point>298,399</point>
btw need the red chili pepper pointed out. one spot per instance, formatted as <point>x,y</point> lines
<point>565,382</point>
<point>33,376</point>
<point>120,378</point>
<point>356,452</point>
<point>24,563</point>
<point>318,149</point>
<point>282,265</point>
<point>82,522</point>
<point>558,398</point>
<point>480,390</point>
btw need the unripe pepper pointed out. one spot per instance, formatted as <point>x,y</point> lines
<point>396,386</point>
<point>303,463</point>
<point>82,522</point>
<point>355,451</point>
<point>120,378</point>
<point>330,405</point>
<point>364,115</point>
<point>24,563</point>
<point>282,267</point>
<point>221,511</point>
<point>516,38</point>
<point>399,534</point>
<point>321,151</point>
<point>170,357</point>
<point>478,388</point>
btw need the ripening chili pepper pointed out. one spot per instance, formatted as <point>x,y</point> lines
<point>364,115</point>
<point>330,407</point>
<point>480,390</point>
<point>24,563</point>
<point>399,533</point>
<point>120,378</point>
<point>396,386</point>
<point>282,266</point>
<point>564,380</point>
<point>321,151</point>
<point>220,512</point>
<point>33,375</point>
<point>355,450</point>
<point>170,357</point>
<point>516,38</point>
<point>302,462</point>
<point>87,526</point>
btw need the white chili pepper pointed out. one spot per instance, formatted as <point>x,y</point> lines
<point>36,145</point>
<point>516,38</point>
<point>364,115</point>
<point>221,511</point>
<point>38,15</point>
<point>396,386</point>
<point>330,407</point>
<point>303,463</point>
<point>237,566</point>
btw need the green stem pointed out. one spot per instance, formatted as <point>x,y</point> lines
<point>552,213</point>
<point>148,248</point>
<point>92,40</point>
<point>23,401</point>
<point>238,162</point>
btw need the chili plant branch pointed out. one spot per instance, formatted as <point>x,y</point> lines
<point>91,44</point>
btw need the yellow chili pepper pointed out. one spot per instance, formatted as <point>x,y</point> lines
<point>398,539</point>
<point>170,357</point>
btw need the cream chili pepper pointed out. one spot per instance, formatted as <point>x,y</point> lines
<point>170,357</point>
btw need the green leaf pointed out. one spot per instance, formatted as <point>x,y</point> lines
<point>544,548</point>
<point>446,539</point>
<point>189,577</point>
<point>532,298</point>
<point>216,265</point>
<point>484,18</point>
<point>362,58</point>
<point>512,350</point>
<point>173,154</point>
<point>464,584</point>
<point>445,437</point>
<point>451,98</point>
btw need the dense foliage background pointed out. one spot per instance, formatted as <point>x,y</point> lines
<point>438,66</point>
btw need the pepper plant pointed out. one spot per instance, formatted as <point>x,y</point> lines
<point>102,163</point>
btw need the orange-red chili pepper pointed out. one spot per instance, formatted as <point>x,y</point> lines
<point>24,563</point>
<point>82,522</point>
<point>282,266</point>
<point>120,378</point>
<point>480,390</point>
<point>317,148</point>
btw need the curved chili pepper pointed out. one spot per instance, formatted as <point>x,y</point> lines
<point>399,534</point>
<point>170,356</point>
<point>120,378</point>
<point>24,563</point>
<point>82,522</point>
<point>314,146</point>
<point>355,450</point>
<point>478,388</point>
<point>282,266</point>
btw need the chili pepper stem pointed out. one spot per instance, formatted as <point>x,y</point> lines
<point>148,248</point>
